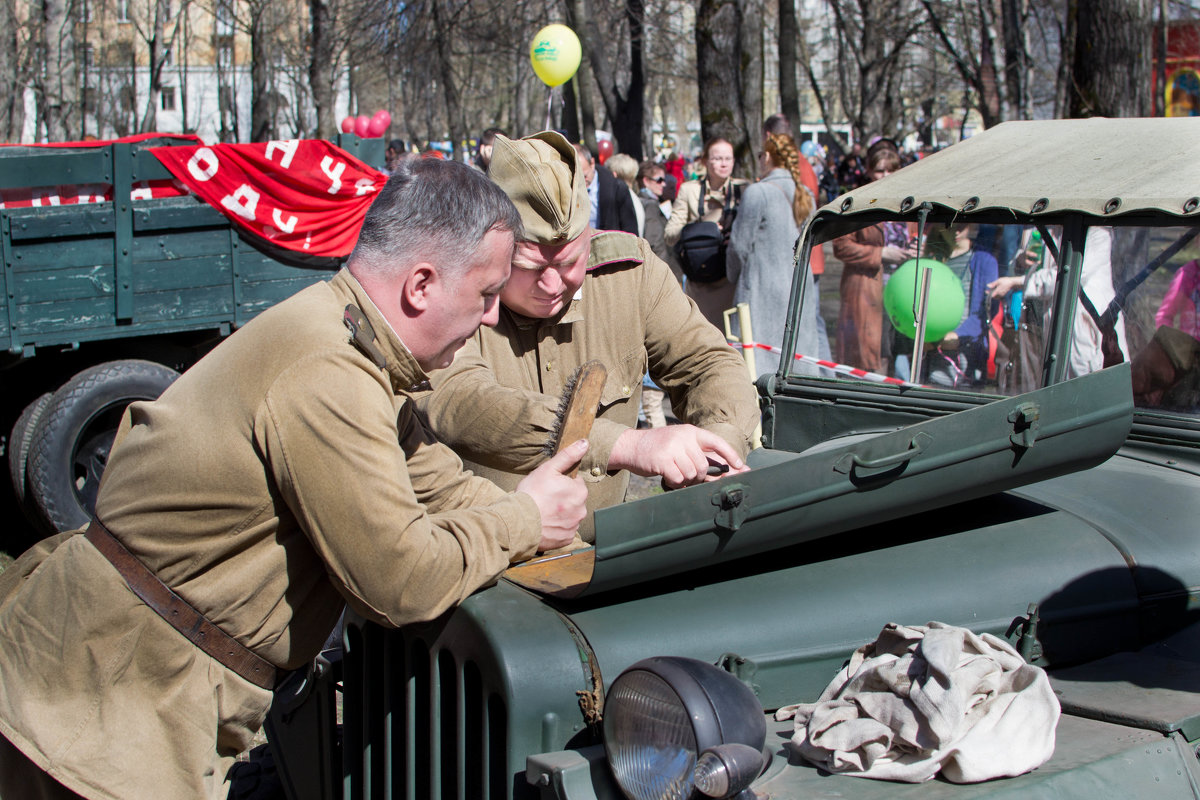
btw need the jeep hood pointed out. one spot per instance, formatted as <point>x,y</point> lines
<point>848,482</point>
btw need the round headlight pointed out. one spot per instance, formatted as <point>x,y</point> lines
<point>662,714</point>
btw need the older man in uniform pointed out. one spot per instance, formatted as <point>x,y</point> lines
<point>283,476</point>
<point>577,295</point>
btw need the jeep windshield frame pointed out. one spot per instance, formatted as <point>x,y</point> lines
<point>967,184</point>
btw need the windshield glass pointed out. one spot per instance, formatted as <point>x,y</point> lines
<point>990,304</point>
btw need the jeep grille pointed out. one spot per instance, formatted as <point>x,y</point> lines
<point>418,722</point>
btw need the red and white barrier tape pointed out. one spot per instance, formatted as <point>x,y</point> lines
<point>841,369</point>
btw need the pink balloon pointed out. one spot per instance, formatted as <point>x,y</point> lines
<point>362,125</point>
<point>384,116</point>
<point>348,125</point>
<point>376,127</point>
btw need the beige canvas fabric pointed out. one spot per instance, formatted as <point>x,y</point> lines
<point>927,699</point>
<point>280,478</point>
<point>495,405</point>
<point>542,176</point>
<point>1079,164</point>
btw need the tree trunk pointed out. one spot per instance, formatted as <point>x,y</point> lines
<point>262,99</point>
<point>12,95</point>
<point>320,69</point>
<point>448,81</point>
<point>1014,16</point>
<point>729,74</point>
<point>789,87</point>
<point>59,81</point>
<point>1110,71</point>
<point>157,59</point>
<point>569,121</point>
<point>626,111</point>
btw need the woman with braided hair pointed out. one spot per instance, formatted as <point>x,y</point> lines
<point>761,254</point>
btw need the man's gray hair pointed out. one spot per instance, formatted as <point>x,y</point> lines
<point>435,211</point>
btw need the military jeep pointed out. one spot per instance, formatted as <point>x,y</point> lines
<point>1039,482</point>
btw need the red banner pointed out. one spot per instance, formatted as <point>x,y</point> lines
<point>305,195</point>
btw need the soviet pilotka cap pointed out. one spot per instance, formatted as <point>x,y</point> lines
<point>542,177</point>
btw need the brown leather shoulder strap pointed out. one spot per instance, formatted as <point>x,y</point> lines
<point>178,612</point>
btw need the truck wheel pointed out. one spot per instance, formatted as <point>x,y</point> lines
<point>72,439</point>
<point>19,441</point>
<point>18,453</point>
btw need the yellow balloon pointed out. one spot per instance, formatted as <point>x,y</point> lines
<point>555,54</point>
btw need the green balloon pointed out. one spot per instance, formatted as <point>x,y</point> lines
<point>946,299</point>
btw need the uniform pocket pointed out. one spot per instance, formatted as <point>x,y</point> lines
<point>624,379</point>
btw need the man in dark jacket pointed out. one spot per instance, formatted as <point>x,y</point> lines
<point>612,205</point>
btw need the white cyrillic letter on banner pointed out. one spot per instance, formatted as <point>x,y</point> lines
<point>203,164</point>
<point>243,202</point>
<point>288,147</point>
<point>333,172</point>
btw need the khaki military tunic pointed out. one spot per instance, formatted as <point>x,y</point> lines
<point>495,405</point>
<point>282,476</point>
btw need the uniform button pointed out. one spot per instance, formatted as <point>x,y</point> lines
<point>625,390</point>
<point>597,471</point>
<point>549,366</point>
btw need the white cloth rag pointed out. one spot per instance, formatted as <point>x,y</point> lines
<point>927,698</point>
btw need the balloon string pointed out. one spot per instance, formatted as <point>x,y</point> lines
<point>552,94</point>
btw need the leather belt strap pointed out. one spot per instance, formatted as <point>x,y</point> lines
<point>178,612</point>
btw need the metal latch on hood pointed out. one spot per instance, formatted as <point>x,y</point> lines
<point>1026,420</point>
<point>732,506</point>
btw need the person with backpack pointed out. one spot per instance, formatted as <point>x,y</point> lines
<point>701,248</point>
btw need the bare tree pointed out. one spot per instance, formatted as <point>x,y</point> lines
<point>321,66</point>
<point>14,61</point>
<point>871,38</point>
<point>625,107</point>
<point>160,47</point>
<point>1110,65</point>
<point>729,74</point>
<point>57,80</point>
<point>789,41</point>
<point>969,38</point>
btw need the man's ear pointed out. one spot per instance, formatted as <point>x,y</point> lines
<point>418,286</point>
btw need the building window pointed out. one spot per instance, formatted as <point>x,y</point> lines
<point>88,55</point>
<point>119,54</point>
<point>225,99</point>
<point>225,51</point>
<point>168,98</point>
<point>122,10</point>
<point>127,98</point>
<point>85,11</point>
<point>166,57</point>
<point>89,100</point>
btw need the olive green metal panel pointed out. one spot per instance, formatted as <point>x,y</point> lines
<point>838,487</point>
<point>793,616</point>
<point>450,709</point>
<point>1115,689</point>
<point>1092,761</point>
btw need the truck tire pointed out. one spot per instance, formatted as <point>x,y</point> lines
<point>19,440</point>
<point>71,441</point>
<point>18,459</point>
